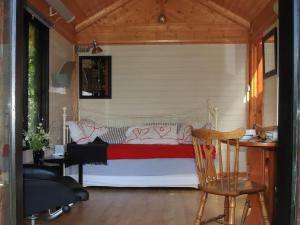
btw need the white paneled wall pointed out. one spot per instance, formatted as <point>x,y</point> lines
<point>60,51</point>
<point>162,79</point>
<point>270,94</point>
<point>270,101</point>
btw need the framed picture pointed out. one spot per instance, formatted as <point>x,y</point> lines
<point>95,77</point>
<point>270,53</point>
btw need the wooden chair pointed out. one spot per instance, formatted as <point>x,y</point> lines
<point>224,181</point>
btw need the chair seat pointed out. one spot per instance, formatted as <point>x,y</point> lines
<point>243,187</point>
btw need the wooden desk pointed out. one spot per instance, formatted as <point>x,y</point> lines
<point>261,164</point>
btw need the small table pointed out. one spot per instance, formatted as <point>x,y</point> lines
<point>62,161</point>
<point>271,146</point>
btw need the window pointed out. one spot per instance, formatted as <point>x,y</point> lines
<point>36,73</point>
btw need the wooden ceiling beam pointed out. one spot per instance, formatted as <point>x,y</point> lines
<point>105,11</point>
<point>65,29</point>
<point>262,22</point>
<point>226,13</point>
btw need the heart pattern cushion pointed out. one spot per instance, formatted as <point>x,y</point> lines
<point>164,134</point>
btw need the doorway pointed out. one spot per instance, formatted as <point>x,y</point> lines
<point>10,108</point>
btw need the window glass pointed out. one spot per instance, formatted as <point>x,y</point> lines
<point>36,73</point>
<point>33,80</point>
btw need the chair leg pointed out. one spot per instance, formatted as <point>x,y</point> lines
<point>263,207</point>
<point>201,209</point>
<point>245,211</point>
<point>33,218</point>
<point>231,219</point>
<point>226,209</point>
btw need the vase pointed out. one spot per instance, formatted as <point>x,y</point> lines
<point>38,157</point>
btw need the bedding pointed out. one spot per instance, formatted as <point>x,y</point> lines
<point>85,131</point>
<point>184,135</point>
<point>95,153</point>
<point>114,135</point>
<point>153,134</point>
<point>138,165</point>
<point>142,151</point>
<point>167,160</point>
<point>100,152</point>
<point>164,172</point>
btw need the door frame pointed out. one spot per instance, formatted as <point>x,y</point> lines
<point>286,204</point>
<point>16,112</point>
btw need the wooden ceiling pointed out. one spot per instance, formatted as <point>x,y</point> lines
<point>248,9</point>
<point>188,21</point>
<point>83,9</point>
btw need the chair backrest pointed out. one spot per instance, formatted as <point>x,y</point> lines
<point>208,145</point>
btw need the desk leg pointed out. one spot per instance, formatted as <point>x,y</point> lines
<point>80,169</point>
<point>270,182</point>
<point>261,165</point>
<point>255,160</point>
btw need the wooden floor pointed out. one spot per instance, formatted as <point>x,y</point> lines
<point>131,206</point>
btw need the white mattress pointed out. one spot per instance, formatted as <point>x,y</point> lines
<point>140,173</point>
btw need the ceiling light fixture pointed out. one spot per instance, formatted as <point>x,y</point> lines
<point>162,18</point>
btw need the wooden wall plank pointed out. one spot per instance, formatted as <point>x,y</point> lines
<point>226,12</point>
<point>84,9</point>
<point>244,8</point>
<point>256,84</point>
<point>93,18</point>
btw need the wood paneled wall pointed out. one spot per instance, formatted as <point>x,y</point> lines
<point>60,51</point>
<point>261,23</point>
<point>255,84</point>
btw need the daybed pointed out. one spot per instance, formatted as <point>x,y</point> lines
<point>141,161</point>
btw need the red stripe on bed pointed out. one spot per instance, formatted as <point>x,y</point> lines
<point>140,151</point>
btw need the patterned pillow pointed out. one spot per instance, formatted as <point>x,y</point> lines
<point>85,131</point>
<point>152,135</point>
<point>77,133</point>
<point>185,134</point>
<point>115,135</point>
<point>91,129</point>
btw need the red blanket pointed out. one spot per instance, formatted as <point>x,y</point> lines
<point>142,151</point>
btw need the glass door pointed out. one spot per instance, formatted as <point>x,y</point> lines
<point>10,182</point>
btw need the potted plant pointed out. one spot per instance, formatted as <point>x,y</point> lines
<point>38,142</point>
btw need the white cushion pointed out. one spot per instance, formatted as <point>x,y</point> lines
<point>85,131</point>
<point>185,134</point>
<point>91,129</point>
<point>164,134</point>
<point>77,133</point>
